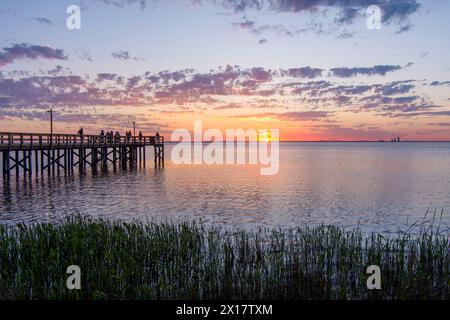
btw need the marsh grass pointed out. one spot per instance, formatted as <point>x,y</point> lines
<point>132,260</point>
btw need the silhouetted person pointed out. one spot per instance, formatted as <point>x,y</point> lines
<point>81,134</point>
<point>140,135</point>
<point>102,136</point>
<point>117,137</point>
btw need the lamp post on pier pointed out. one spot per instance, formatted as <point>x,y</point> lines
<point>51,125</point>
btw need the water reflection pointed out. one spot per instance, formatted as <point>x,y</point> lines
<point>381,187</point>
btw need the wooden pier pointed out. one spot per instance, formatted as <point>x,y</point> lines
<point>62,153</point>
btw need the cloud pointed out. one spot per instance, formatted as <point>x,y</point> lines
<point>262,41</point>
<point>305,72</point>
<point>395,88</point>
<point>440,83</point>
<point>291,116</point>
<point>278,30</point>
<point>397,10</point>
<point>302,115</point>
<point>74,91</point>
<point>244,24</point>
<point>56,70</point>
<point>443,113</point>
<point>345,35</point>
<point>106,76</point>
<point>83,55</point>
<point>123,3</point>
<point>28,51</point>
<point>440,124</point>
<point>403,29</point>
<point>228,106</point>
<point>217,89</point>
<point>380,70</point>
<point>44,21</point>
<point>123,55</point>
<point>393,10</point>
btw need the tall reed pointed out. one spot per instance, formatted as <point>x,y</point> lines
<point>132,260</point>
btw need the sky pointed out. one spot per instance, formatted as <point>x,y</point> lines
<point>314,69</point>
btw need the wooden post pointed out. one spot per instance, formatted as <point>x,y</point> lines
<point>42,161</point>
<point>94,158</point>
<point>30,155</point>
<point>162,147</point>
<point>6,170</point>
<point>36,165</point>
<point>80,159</point>
<point>71,160</point>
<point>140,155</point>
<point>53,162</point>
<point>48,162</point>
<point>17,162</point>
<point>3,162</point>
<point>57,158</point>
<point>104,156</point>
<point>143,153</point>
<point>65,160</point>
<point>24,162</point>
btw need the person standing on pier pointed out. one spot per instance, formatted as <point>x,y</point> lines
<point>81,134</point>
<point>140,136</point>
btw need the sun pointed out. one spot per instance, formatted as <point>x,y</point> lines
<point>264,135</point>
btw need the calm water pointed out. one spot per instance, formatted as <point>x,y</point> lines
<point>378,186</point>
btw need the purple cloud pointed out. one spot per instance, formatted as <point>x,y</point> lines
<point>305,72</point>
<point>28,51</point>
<point>380,70</point>
<point>260,88</point>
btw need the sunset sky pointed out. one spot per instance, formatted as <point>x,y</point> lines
<point>310,68</point>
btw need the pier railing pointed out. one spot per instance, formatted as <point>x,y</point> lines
<point>10,140</point>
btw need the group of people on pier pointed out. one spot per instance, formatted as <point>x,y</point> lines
<point>110,137</point>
